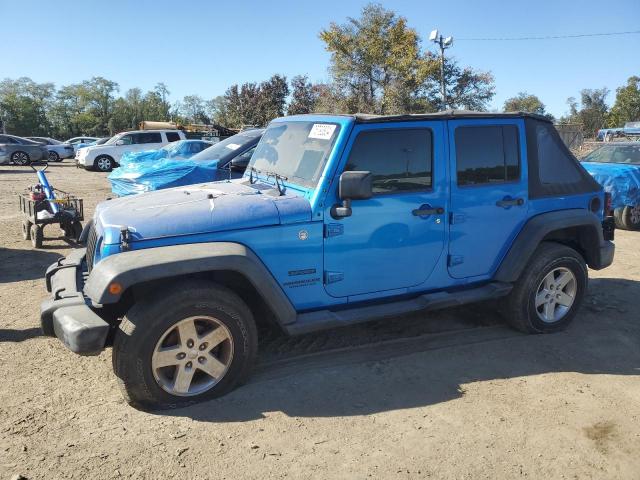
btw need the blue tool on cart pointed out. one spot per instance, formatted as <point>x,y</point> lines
<point>44,205</point>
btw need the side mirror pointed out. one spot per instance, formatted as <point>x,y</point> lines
<point>352,186</point>
<point>120,142</point>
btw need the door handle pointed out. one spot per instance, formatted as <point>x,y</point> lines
<point>510,202</point>
<point>421,212</point>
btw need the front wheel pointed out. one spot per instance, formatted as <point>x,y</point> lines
<point>184,345</point>
<point>549,292</point>
<point>104,163</point>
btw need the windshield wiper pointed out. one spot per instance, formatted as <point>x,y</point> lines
<point>279,178</point>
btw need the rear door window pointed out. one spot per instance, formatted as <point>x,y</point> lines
<point>149,137</point>
<point>487,155</point>
<point>172,136</point>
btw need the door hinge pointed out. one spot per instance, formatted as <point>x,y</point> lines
<point>332,277</point>
<point>333,230</point>
<point>455,260</point>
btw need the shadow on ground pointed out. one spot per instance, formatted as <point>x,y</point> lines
<point>604,339</point>
<point>10,335</point>
<point>17,264</point>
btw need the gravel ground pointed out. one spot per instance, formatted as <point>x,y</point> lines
<point>449,395</point>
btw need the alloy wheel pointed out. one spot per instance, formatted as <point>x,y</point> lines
<point>192,356</point>
<point>20,158</point>
<point>104,164</point>
<point>555,294</point>
<point>634,215</point>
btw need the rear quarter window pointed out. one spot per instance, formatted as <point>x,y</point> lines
<point>172,136</point>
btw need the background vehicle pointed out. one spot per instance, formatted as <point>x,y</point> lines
<point>21,151</point>
<point>79,142</point>
<point>57,150</point>
<point>232,154</point>
<point>107,156</point>
<point>167,167</point>
<point>616,166</point>
<point>338,220</point>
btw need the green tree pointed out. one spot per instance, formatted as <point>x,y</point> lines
<point>626,107</point>
<point>304,96</point>
<point>376,62</point>
<point>591,112</point>
<point>193,109</point>
<point>24,105</point>
<point>526,102</point>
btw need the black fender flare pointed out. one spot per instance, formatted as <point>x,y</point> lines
<point>598,252</point>
<point>139,266</point>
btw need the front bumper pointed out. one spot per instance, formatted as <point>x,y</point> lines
<point>67,314</point>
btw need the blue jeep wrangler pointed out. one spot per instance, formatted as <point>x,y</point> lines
<point>338,219</point>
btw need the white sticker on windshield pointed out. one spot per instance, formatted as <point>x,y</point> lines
<point>233,146</point>
<point>322,131</point>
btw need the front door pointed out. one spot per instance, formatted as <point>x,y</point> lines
<point>488,193</point>
<point>393,240</point>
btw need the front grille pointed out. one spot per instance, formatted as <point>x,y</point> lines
<point>92,240</point>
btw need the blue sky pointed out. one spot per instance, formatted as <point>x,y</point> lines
<point>203,47</point>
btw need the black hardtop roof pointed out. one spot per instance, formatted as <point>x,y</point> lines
<point>444,115</point>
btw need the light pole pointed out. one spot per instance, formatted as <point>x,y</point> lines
<point>443,43</point>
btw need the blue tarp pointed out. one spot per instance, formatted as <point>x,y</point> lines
<point>152,173</point>
<point>622,181</point>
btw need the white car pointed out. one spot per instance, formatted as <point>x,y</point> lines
<point>107,156</point>
<point>78,142</point>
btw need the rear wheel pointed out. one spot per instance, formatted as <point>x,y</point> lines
<point>628,217</point>
<point>54,157</point>
<point>20,158</point>
<point>550,290</point>
<point>184,345</point>
<point>104,163</point>
<point>36,236</point>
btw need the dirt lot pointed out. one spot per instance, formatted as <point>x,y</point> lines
<point>452,395</point>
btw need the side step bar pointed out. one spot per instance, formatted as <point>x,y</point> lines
<point>325,319</point>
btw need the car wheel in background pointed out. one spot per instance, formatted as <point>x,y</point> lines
<point>54,157</point>
<point>20,158</point>
<point>104,163</point>
<point>627,218</point>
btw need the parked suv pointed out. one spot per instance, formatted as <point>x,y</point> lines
<point>107,156</point>
<point>337,220</point>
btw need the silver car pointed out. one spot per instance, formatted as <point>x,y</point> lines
<point>57,150</point>
<point>21,151</point>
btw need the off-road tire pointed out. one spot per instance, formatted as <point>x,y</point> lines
<point>624,218</point>
<point>36,236</point>
<point>26,229</point>
<point>520,311</point>
<point>150,317</point>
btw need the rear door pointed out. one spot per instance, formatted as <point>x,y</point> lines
<point>392,241</point>
<point>488,192</point>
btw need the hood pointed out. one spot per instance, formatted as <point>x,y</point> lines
<point>204,208</point>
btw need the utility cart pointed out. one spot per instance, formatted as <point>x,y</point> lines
<point>44,205</point>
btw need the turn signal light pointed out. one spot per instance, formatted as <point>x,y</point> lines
<point>115,288</point>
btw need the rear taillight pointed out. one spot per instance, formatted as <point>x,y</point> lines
<point>608,211</point>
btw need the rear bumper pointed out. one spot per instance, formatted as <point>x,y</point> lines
<point>66,314</point>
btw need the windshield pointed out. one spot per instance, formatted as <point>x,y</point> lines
<point>225,147</point>
<point>295,150</point>
<point>114,139</point>
<point>629,154</point>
